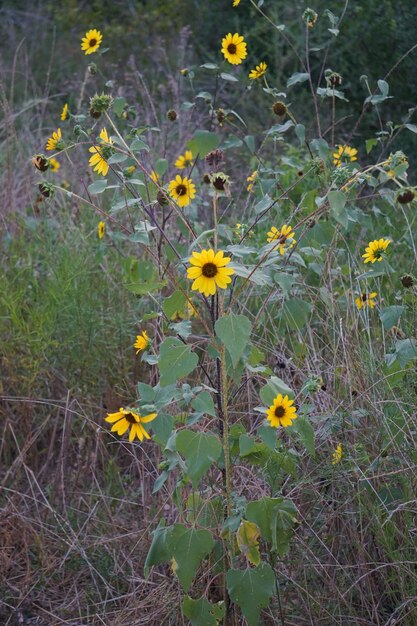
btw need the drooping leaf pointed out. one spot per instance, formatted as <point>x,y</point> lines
<point>200,451</point>
<point>247,540</point>
<point>275,518</point>
<point>251,590</point>
<point>159,552</point>
<point>337,202</point>
<point>306,434</point>
<point>234,331</point>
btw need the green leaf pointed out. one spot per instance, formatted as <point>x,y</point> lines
<point>298,77</point>
<point>176,360</point>
<point>159,552</point>
<point>251,589</point>
<point>370,144</point>
<point>203,403</point>
<point>137,145</point>
<point>337,202</point>
<point>295,313</point>
<point>174,304</point>
<point>300,131</point>
<point>229,77</point>
<point>97,187</point>
<point>201,612</point>
<point>200,451</point>
<point>118,157</point>
<point>203,142</point>
<point>234,331</point>
<point>273,387</point>
<point>406,351</point>
<point>118,105</point>
<point>275,518</point>
<point>390,315</point>
<point>306,433</point>
<point>189,546</point>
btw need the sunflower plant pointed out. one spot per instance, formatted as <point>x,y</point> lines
<point>208,286</point>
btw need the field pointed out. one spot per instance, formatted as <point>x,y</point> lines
<point>208,313</point>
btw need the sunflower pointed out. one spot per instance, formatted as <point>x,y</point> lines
<point>54,164</point>
<point>91,42</point>
<point>366,299</point>
<point>125,418</point>
<point>55,141</point>
<point>234,48</point>
<point>281,237</point>
<point>100,154</point>
<point>251,180</point>
<point>209,271</point>
<point>101,229</point>
<point>281,412</point>
<point>344,154</point>
<point>182,190</point>
<point>259,71</point>
<point>236,3</point>
<point>64,113</point>
<point>184,160</point>
<point>337,454</point>
<point>374,251</point>
<point>142,342</point>
<point>154,177</point>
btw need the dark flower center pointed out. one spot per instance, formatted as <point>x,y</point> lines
<point>378,254</point>
<point>364,297</point>
<point>219,183</point>
<point>181,190</point>
<point>130,418</point>
<point>279,411</point>
<point>209,270</point>
<point>93,42</point>
<point>231,48</point>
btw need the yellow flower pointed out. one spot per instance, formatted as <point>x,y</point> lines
<point>184,160</point>
<point>236,3</point>
<point>125,418</point>
<point>182,190</point>
<point>281,412</point>
<point>142,342</point>
<point>365,300</point>
<point>281,237</point>
<point>375,249</point>
<point>54,164</point>
<point>98,161</point>
<point>337,454</point>
<point>191,310</point>
<point>344,154</point>
<point>251,180</point>
<point>259,71</point>
<point>154,177</point>
<point>91,42</point>
<point>101,228</point>
<point>209,271</point>
<point>234,48</point>
<point>55,141</point>
<point>64,114</point>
